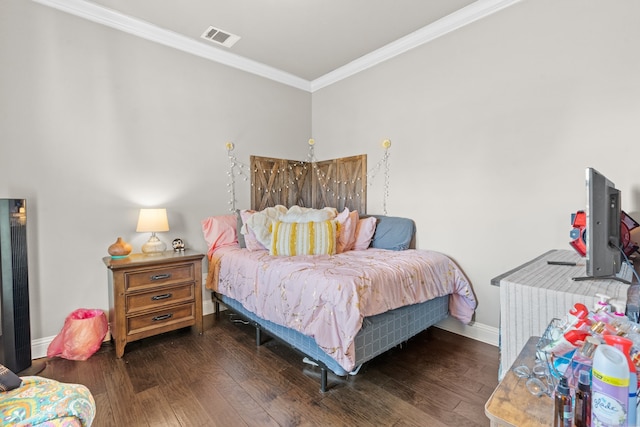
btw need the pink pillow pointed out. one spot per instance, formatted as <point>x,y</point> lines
<point>250,239</point>
<point>347,233</point>
<point>355,218</point>
<point>219,231</point>
<point>364,233</point>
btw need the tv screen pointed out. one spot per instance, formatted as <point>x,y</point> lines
<point>603,243</point>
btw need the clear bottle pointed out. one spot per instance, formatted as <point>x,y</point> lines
<point>582,412</point>
<point>563,410</point>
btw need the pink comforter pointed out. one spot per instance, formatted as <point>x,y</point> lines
<point>326,297</point>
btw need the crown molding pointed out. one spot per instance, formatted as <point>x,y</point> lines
<point>465,16</point>
<point>145,30</point>
<point>113,19</point>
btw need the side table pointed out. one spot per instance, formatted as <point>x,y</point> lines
<point>511,404</point>
<point>153,294</point>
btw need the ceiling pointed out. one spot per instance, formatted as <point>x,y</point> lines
<point>305,40</point>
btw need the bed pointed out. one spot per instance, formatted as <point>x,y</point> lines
<point>341,308</point>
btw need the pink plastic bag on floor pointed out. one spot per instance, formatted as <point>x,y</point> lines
<point>81,336</point>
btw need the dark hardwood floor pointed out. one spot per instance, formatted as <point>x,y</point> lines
<point>222,379</point>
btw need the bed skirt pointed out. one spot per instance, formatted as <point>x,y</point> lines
<point>379,333</point>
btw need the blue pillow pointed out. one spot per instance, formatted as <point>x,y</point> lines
<point>393,233</point>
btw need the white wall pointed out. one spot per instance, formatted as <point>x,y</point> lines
<point>95,124</point>
<point>493,126</point>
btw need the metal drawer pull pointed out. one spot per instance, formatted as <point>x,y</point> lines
<point>163,317</point>
<point>161,276</point>
<point>159,297</point>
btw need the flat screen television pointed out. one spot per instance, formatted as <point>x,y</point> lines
<point>603,241</point>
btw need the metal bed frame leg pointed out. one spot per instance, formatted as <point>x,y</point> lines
<point>216,304</point>
<point>323,369</point>
<point>323,379</point>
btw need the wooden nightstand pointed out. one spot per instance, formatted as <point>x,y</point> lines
<point>152,294</point>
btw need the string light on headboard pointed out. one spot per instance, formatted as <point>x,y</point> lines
<point>328,184</point>
<point>311,157</point>
<point>236,168</point>
<point>296,170</point>
<point>386,144</point>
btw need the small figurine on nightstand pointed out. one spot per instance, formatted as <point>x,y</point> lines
<point>178,245</point>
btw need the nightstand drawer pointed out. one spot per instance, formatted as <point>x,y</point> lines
<point>159,298</point>
<point>159,276</point>
<point>171,316</point>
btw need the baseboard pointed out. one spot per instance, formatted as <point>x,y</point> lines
<point>39,347</point>
<point>207,306</point>
<point>476,331</point>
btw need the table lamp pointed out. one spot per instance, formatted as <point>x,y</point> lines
<point>153,221</point>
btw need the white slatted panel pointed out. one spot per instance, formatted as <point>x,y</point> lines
<point>536,293</point>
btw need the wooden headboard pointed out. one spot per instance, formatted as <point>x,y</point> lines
<point>336,183</point>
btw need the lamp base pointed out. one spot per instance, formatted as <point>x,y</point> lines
<point>154,245</point>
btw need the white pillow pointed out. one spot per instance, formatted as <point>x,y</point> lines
<point>260,223</point>
<point>301,214</point>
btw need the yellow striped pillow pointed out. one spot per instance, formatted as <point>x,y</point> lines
<point>304,238</point>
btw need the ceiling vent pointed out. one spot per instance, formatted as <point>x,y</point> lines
<point>221,37</point>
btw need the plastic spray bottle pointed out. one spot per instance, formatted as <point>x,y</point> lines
<point>619,320</point>
<point>603,303</point>
<point>624,345</point>
<point>566,342</point>
<point>609,387</point>
<point>563,410</point>
<point>578,312</point>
